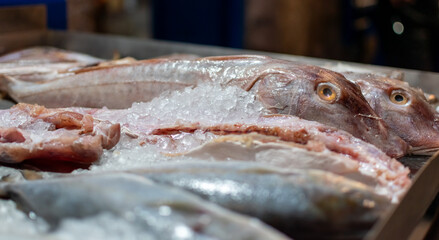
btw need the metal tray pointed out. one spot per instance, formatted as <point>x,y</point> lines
<point>398,222</point>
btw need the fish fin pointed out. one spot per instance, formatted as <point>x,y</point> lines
<point>396,74</point>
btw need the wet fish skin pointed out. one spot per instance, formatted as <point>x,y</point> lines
<point>161,210</point>
<point>284,87</point>
<point>294,93</point>
<point>297,202</point>
<point>415,122</point>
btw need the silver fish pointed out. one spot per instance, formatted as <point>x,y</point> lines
<point>162,211</point>
<point>300,203</point>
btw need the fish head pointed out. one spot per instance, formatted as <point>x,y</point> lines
<point>406,111</point>
<point>317,94</point>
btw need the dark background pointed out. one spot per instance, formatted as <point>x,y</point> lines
<point>400,33</point>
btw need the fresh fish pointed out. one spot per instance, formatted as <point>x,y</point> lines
<point>282,86</point>
<point>162,211</point>
<point>294,143</point>
<point>405,109</point>
<point>300,203</point>
<point>34,133</point>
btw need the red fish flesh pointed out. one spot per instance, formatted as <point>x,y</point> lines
<point>32,132</point>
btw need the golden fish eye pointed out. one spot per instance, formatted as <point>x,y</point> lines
<point>399,98</point>
<point>327,92</point>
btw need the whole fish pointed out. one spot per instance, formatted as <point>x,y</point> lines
<point>300,203</point>
<point>163,212</point>
<point>287,142</point>
<point>32,132</point>
<point>405,109</point>
<point>283,87</point>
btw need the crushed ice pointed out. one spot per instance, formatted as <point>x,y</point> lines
<point>16,224</point>
<point>207,103</point>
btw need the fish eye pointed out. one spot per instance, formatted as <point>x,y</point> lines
<point>399,97</point>
<point>328,92</point>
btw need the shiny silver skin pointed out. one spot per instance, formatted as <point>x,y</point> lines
<point>162,212</point>
<point>298,202</point>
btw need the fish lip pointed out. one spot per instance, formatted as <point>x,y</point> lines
<point>423,150</point>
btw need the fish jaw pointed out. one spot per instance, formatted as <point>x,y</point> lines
<point>294,93</point>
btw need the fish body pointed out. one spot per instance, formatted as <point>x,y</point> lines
<point>288,142</point>
<point>300,203</point>
<point>405,110</point>
<point>161,211</point>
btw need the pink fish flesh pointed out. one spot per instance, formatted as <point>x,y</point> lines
<point>32,132</point>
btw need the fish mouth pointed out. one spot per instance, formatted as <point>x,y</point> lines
<point>427,151</point>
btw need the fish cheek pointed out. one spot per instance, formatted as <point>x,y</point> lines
<point>332,114</point>
<point>414,123</point>
<point>284,93</point>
